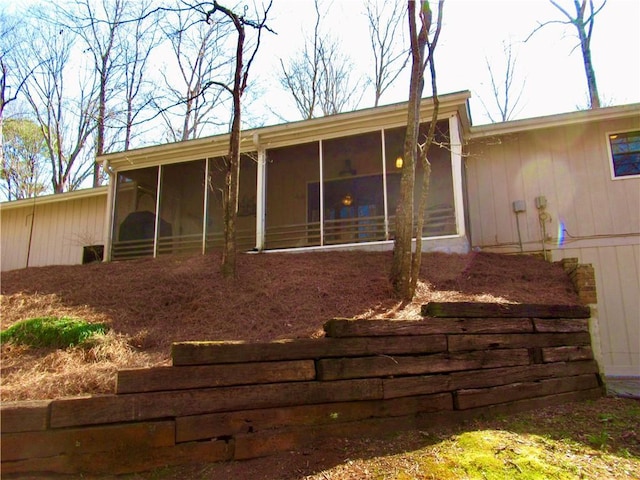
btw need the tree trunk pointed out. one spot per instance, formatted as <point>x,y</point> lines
<point>230,198</point>
<point>594,97</point>
<point>426,166</point>
<point>402,248</point>
<point>102,110</point>
<point>406,262</point>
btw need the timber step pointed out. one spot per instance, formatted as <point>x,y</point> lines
<point>502,310</point>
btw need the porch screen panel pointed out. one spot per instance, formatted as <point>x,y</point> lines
<point>181,207</point>
<point>293,204</point>
<point>353,189</point>
<point>134,219</point>
<point>440,217</point>
<point>247,195</point>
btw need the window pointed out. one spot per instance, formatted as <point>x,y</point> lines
<point>625,153</point>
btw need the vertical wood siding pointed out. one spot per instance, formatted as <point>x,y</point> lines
<point>570,167</point>
<point>60,231</point>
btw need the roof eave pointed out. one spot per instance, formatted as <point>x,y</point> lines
<point>561,119</point>
<point>54,198</point>
<point>292,133</point>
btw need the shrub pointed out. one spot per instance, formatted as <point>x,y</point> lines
<point>51,332</point>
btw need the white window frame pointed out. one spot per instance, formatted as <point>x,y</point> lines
<point>610,154</point>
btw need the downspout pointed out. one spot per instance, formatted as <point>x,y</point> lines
<point>110,211</point>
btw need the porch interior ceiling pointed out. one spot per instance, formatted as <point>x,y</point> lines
<point>305,131</point>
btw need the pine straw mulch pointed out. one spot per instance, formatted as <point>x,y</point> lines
<point>149,304</point>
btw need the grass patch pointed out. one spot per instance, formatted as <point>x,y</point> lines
<point>51,332</point>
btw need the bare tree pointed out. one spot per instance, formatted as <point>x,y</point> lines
<point>138,38</point>
<point>97,24</point>
<point>236,88</point>
<point>406,263</point>
<point>320,76</point>
<point>301,76</point>
<point>389,54</point>
<point>582,20</point>
<point>10,84</point>
<point>62,97</point>
<point>504,96</point>
<point>22,170</point>
<point>191,95</point>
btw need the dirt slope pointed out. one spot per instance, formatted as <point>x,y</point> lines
<point>151,303</point>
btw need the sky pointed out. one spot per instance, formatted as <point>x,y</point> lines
<point>549,68</point>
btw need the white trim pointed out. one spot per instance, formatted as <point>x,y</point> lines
<point>610,154</point>
<point>377,245</point>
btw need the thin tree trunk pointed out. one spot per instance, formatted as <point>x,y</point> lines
<point>102,109</point>
<point>594,97</point>
<point>426,166</point>
<point>402,248</point>
<point>230,201</point>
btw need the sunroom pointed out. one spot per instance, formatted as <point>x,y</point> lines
<point>331,182</point>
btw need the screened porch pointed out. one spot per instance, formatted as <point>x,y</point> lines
<point>336,191</point>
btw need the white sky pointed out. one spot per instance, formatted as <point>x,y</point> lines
<point>473,30</point>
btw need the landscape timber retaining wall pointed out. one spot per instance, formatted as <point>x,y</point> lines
<point>228,401</point>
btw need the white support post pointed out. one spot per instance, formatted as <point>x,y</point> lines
<point>156,232</point>
<point>261,199</point>
<point>455,142</point>
<point>205,206</point>
<point>110,212</point>
<point>384,185</point>
<point>321,194</point>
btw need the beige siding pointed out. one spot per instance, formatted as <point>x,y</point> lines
<point>569,165</point>
<point>60,230</point>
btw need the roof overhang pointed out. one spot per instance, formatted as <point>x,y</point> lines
<point>293,133</point>
<point>562,119</point>
<point>55,198</point>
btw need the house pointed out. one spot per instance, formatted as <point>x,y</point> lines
<point>62,229</point>
<point>565,185</point>
<point>568,185</point>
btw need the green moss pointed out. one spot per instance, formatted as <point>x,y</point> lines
<point>497,455</point>
<point>51,332</point>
